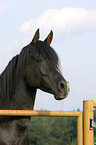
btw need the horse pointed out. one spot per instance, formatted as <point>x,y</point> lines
<point>36,67</point>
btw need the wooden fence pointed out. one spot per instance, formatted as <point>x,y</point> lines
<point>85,134</point>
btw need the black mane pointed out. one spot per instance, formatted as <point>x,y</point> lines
<point>48,52</point>
<point>7,82</point>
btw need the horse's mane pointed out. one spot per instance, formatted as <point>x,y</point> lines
<point>48,52</point>
<point>7,82</point>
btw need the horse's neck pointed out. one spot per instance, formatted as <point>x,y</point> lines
<point>24,96</point>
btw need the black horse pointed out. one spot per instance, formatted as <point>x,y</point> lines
<point>36,67</point>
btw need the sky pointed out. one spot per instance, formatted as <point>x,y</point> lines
<point>74,26</point>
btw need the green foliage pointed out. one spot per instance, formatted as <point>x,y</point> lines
<point>53,131</point>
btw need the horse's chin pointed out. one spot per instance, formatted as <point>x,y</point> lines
<point>59,97</point>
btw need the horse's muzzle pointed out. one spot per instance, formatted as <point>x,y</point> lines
<point>61,86</point>
<point>64,88</point>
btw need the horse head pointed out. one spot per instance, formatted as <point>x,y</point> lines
<point>42,70</point>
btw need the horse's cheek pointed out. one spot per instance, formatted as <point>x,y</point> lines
<point>33,77</point>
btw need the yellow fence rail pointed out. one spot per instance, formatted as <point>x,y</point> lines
<point>85,135</point>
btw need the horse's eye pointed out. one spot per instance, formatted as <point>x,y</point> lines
<point>36,58</point>
<point>39,60</point>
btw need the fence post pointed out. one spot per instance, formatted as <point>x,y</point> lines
<point>88,113</point>
<point>79,130</point>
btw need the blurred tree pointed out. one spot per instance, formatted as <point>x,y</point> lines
<point>53,131</point>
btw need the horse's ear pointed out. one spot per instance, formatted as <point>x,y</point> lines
<point>49,38</point>
<point>36,36</point>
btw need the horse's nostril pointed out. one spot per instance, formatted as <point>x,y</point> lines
<point>61,85</point>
